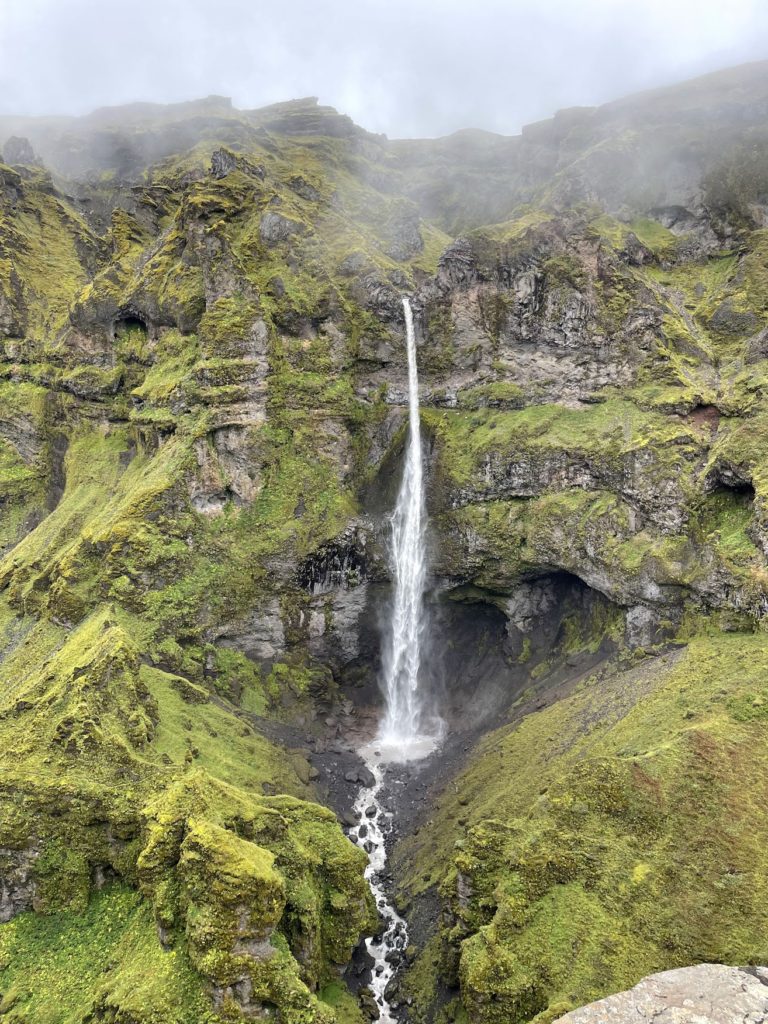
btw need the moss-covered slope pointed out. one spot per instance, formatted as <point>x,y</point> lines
<point>616,833</point>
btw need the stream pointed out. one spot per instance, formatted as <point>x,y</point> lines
<point>387,947</point>
<point>370,834</point>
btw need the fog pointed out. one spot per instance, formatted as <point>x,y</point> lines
<point>418,68</point>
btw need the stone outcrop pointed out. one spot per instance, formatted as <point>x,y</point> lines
<point>17,882</point>
<point>707,994</point>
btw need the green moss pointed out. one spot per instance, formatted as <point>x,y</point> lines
<point>527,218</point>
<point>61,968</point>
<point>44,245</point>
<point>564,270</point>
<point>726,518</point>
<point>174,359</point>
<point>261,887</point>
<point>595,854</point>
<point>610,431</point>
<point>343,1003</point>
<point>193,730</point>
<point>497,395</point>
<point>660,240</point>
<point>226,326</point>
<point>129,740</point>
<point>231,894</point>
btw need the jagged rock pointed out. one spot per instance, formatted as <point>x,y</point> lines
<point>706,994</point>
<point>17,883</point>
<point>261,635</point>
<point>529,603</point>
<point>757,347</point>
<point>304,188</point>
<point>17,150</point>
<point>223,162</point>
<point>226,470</point>
<point>641,626</point>
<point>457,264</point>
<point>730,321</point>
<point>274,228</point>
<point>634,252</point>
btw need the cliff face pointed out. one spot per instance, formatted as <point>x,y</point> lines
<point>202,373</point>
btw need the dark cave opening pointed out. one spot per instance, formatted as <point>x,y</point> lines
<point>130,326</point>
<point>488,648</point>
<point>730,482</point>
<point>742,491</point>
<point>481,649</point>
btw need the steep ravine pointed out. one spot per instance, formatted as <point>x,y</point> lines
<point>389,808</point>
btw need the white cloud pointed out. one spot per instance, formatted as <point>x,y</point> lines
<point>416,67</point>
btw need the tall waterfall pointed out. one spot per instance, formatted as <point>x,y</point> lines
<point>406,732</point>
<point>403,727</point>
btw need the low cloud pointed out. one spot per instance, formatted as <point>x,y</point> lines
<point>424,67</point>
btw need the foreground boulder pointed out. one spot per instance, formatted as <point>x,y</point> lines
<point>706,994</point>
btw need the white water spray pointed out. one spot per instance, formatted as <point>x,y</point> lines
<point>402,734</point>
<point>387,948</point>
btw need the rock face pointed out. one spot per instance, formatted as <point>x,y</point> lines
<point>706,994</point>
<point>19,151</point>
<point>17,886</point>
<point>275,228</point>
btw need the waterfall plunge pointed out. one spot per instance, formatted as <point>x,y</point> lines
<point>405,732</point>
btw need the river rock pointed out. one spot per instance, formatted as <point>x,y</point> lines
<point>706,994</point>
<point>368,1004</point>
<point>361,776</point>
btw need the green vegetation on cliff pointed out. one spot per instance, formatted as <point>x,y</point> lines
<point>199,359</point>
<point>614,834</point>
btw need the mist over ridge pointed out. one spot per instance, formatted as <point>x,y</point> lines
<point>407,69</point>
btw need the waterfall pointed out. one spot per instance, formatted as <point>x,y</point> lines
<point>403,730</point>
<point>407,732</point>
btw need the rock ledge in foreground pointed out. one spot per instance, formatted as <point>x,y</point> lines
<point>706,994</point>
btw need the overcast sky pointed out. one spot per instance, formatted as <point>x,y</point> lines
<point>404,67</point>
